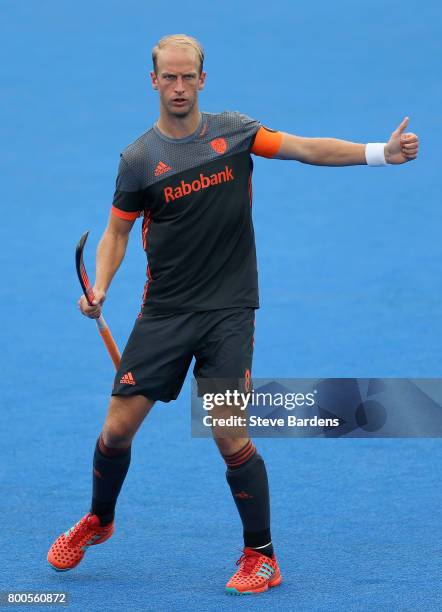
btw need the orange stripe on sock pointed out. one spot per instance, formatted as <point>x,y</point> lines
<point>108,451</point>
<point>245,449</point>
<point>243,459</point>
<point>241,456</point>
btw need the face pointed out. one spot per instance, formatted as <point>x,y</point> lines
<point>178,80</point>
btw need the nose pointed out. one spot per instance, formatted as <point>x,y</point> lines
<point>179,85</point>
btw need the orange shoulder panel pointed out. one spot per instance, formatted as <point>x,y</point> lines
<point>128,216</point>
<point>267,142</point>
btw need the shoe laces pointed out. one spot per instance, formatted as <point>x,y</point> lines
<point>247,562</point>
<point>76,533</point>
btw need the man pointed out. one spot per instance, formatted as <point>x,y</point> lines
<point>190,176</point>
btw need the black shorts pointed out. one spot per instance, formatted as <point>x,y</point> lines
<point>161,347</point>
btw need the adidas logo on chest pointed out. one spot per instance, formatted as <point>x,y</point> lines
<point>161,168</point>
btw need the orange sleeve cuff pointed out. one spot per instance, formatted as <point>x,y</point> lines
<point>267,142</point>
<point>127,216</point>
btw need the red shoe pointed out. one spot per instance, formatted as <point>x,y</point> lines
<point>68,549</point>
<point>256,574</point>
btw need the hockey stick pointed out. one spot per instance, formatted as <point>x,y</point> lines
<point>89,295</point>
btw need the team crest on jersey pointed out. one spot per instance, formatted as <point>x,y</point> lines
<point>219,145</point>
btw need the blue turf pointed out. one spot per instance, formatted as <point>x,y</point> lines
<point>350,286</point>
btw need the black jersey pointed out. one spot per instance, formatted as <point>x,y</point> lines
<point>195,194</point>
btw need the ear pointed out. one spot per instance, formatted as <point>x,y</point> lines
<point>202,80</point>
<point>154,80</point>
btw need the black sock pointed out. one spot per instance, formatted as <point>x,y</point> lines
<point>250,489</point>
<point>109,471</point>
<point>266,549</point>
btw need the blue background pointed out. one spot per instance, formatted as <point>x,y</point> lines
<point>349,262</point>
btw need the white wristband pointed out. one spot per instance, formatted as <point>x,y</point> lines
<point>374,154</point>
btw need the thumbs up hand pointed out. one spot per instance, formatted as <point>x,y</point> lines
<point>401,147</point>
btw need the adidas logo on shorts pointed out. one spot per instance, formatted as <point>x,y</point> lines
<point>128,379</point>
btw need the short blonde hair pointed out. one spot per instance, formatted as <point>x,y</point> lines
<point>181,40</point>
